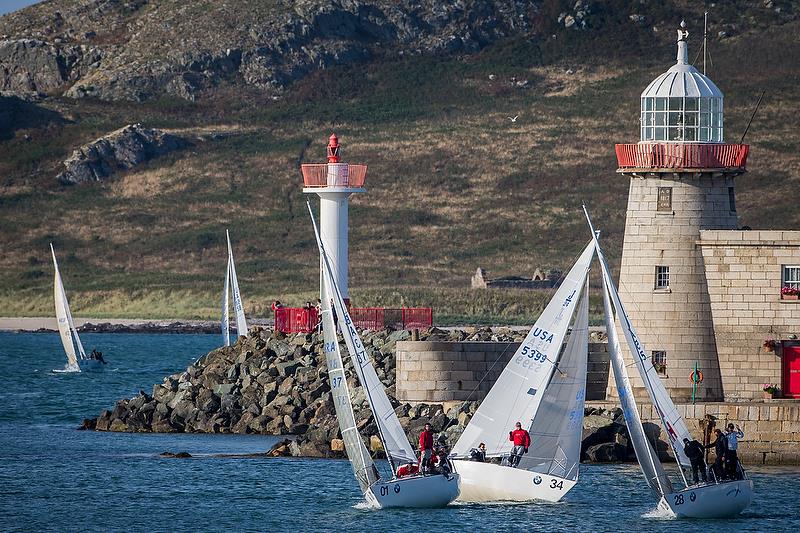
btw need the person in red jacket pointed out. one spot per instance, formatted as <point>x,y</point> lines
<point>522,440</point>
<point>426,448</point>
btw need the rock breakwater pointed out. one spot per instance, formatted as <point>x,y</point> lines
<point>273,384</point>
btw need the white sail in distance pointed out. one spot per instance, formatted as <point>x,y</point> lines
<point>238,307</point>
<point>517,393</point>
<point>671,420</point>
<point>653,470</point>
<point>363,466</point>
<point>558,425</point>
<point>395,442</point>
<point>225,320</point>
<point>64,329</point>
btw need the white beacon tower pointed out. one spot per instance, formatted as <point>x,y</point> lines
<point>334,182</point>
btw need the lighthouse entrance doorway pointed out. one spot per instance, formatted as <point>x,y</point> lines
<point>791,371</point>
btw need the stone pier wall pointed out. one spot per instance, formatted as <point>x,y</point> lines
<point>458,371</point>
<point>771,428</point>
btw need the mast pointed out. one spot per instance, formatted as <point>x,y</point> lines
<point>637,351</point>
<point>238,307</point>
<point>225,321</point>
<point>350,337</point>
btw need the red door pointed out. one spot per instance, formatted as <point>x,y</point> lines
<point>791,371</point>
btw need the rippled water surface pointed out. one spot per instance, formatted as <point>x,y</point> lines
<point>55,478</point>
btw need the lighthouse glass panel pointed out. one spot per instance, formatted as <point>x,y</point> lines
<point>681,119</point>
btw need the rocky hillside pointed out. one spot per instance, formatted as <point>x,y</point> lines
<point>138,50</point>
<point>142,49</point>
<point>275,385</point>
<point>421,92</point>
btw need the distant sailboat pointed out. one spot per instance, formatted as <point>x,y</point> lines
<point>706,500</point>
<point>76,361</point>
<point>435,490</point>
<point>232,282</point>
<point>544,389</point>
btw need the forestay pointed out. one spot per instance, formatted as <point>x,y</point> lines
<point>394,438</point>
<point>518,392</point>
<point>225,321</point>
<point>238,308</point>
<point>64,329</point>
<point>671,420</point>
<point>362,463</point>
<point>652,468</point>
<point>558,425</point>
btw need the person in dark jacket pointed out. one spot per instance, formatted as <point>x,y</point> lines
<point>479,454</point>
<point>720,446</point>
<point>694,451</point>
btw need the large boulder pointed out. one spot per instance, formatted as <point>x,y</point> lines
<point>608,452</point>
<point>122,149</point>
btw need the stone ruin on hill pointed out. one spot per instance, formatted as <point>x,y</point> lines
<point>540,280</point>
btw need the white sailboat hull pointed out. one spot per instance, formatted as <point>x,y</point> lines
<point>710,501</point>
<point>485,482</point>
<point>90,365</point>
<point>416,491</point>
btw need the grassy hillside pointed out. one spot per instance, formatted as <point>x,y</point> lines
<point>453,185</point>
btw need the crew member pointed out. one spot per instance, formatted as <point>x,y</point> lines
<point>694,451</point>
<point>426,448</point>
<point>720,446</point>
<point>731,458</point>
<point>522,440</point>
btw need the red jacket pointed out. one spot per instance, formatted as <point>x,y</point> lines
<point>426,440</point>
<point>520,438</point>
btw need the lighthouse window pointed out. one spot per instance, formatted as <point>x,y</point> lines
<point>689,119</point>
<point>662,277</point>
<point>659,359</point>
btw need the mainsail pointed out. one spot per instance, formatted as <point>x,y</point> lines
<point>518,392</point>
<point>225,322</point>
<point>362,463</point>
<point>238,308</point>
<point>652,468</point>
<point>558,425</point>
<point>64,317</point>
<point>671,420</point>
<point>395,442</point>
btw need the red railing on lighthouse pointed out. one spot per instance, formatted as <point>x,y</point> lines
<point>344,175</point>
<point>681,156</point>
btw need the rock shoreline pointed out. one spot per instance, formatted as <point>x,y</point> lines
<point>273,384</point>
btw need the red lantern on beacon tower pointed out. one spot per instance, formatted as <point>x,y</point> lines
<point>334,182</point>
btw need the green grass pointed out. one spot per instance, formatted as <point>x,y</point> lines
<point>452,185</point>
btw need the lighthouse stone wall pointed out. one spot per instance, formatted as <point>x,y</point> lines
<point>666,212</point>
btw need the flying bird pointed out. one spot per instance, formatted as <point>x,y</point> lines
<point>513,119</point>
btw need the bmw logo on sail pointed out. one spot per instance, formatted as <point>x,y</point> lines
<point>537,480</point>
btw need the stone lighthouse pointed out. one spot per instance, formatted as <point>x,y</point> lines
<point>334,182</point>
<point>681,182</point>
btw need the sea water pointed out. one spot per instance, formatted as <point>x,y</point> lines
<point>56,478</point>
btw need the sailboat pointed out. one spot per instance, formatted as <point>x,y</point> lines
<point>232,282</point>
<point>413,491</point>
<point>717,499</point>
<point>544,388</point>
<point>76,361</point>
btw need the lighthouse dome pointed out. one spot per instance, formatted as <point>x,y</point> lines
<point>682,104</point>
